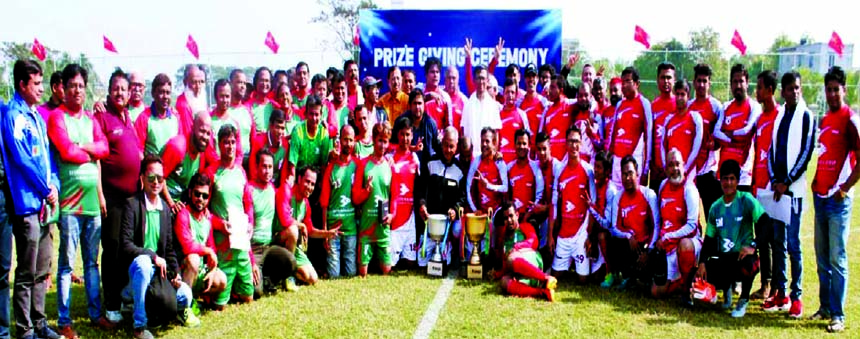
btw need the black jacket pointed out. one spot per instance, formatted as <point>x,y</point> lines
<point>132,234</point>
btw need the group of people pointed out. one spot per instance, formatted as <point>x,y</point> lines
<point>292,177</point>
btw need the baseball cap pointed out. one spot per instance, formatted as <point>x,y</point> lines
<point>530,69</point>
<point>370,81</point>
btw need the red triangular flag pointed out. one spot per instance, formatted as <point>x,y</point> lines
<point>192,47</point>
<point>109,44</point>
<point>836,44</point>
<point>39,50</point>
<point>642,37</point>
<point>271,43</point>
<point>739,43</point>
<point>356,37</point>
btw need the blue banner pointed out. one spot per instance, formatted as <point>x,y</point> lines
<point>406,38</point>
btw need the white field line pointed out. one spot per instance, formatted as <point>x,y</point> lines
<point>432,313</point>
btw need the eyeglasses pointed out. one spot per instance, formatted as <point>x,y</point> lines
<point>201,195</point>
<point>152,178</point>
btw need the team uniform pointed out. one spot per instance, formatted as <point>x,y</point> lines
<point>524,265</point>
<point>363,150</point>
<point>336,199</point>
<point>679,214</point>
<point>631,135</point>
<point>534,105</point>
<point>761,144</point>
<point>684,133</point>
<point>309,151</point>
<point>135,111</point>
<point>279,151</point>
<point>246,125</point>
<point>481,199</point>
<point>735,133</point>
<point>525,184</point>
<point>662,110</point>
<point>261,111</point>
<point>180,165</point>
<point>405,173</point>
<point>588,123</point>
<point>513,119</point>
<point>373,237</point>
<point>263,198</point>
<point>710,110</point>
<point>439,109</point>
<point>194,234</point>
<point>633,215</point>
<point>455,114</point>
<point>556,122</point>
<point>242,140</point>
<point>570,208</point>
<point>154,131</point>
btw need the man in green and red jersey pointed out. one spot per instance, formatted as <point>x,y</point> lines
<point>319,87</point>
<point>395,102</point>
<point>558,117</point>
<point>372,192</point>
<point>337,207</point>
<point>284,102</point>
<point>241,113</point>
<point>303,85</point>
<point>193,98</point>
<point>136,90</point>
<point>513,120</point>
<point>232,211</point>
<point>522,273</point>
<point>260,104</point>
<point>221,116</point>
<point>276,143</point>
<point>80,144</point>
<point>662,108</point>
<point>194,233</point>
<point>158,123</point>
<point>405,181</point>
<point>309,143</point>
<point>363,134</point>
<point>735,129</point>
<point>438,103</point>
<point>458,99</point>
<point>353,89</point>
<point>532,103</point>
<point>710,109</point>
<point>338,101</point>
<point>185,156</point>
<point>263,197</point>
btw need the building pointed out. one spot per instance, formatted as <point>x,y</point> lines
<point>818,57</point>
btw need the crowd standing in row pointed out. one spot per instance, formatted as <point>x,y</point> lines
<point>292,177</point>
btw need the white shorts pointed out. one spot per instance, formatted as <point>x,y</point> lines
<point>572,249</point>
<point>673,271</point>
<point>403,244</point>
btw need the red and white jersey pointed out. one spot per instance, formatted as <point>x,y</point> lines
<point>525,184</point>
<point>632,129</point>
<point>763,138</point>
<point>534,105</point>
<point>513,119</point>
<point>838,143</point>
<point>482,197</point>
<point>608,113</point>
<point>556,121</point>
<point>683,132</point>
<point>710,110</point>
<point>661,109</point>
<point>679,212</point>
<point>735,133</point>
<point>635,215</point>
<point>605,194</point>
<point>404,171</point>
<point>548,178</point>
<point>570,189</point>
<point>455,113</point>
<point>438,109</point>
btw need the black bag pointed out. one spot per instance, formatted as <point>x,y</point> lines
<point>658,266</point>
<point>161,306</point>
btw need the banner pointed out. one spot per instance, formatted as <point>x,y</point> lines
<point>406,38</point>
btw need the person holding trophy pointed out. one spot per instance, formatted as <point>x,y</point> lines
<point>487,181</point>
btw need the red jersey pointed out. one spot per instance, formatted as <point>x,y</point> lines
<point>482,197</point>
<point>608,113</point>
<point>548,179</point>
<point>438,109</point>
<point>513,119</point>
<point>455,114</point>
<point>571,187</point>
<point>684,133</point>
<point>661,109</point>
<point>403,174</point>
<point>533,104</point>
<point>525,184</point>
<point>589,132</point>
<point>763,138</point>
<point>710,110</point>
<point>632,129</point>
<point>735,135</point>
<point>679,213</point>
<point>636,213</point>
<point>556,122</point>
<point>838,143</point>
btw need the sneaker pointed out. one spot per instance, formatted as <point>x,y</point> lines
<point>740,309</point>
<point>779,303</point>
<point>836,325</point>
<point>142,333</point>
<point>727,299</point>
<point>551,283</point>
<point>104,323</point>
<point>291,285</point>
<point>114,316</point>
<point>67,332</point>
<point>46,333</point>
<point>195,307</point>
<point>188,318</point>
<point>623,284</point>
<point>796,310</point>
<point>608,281</point>
<point>820,315</point>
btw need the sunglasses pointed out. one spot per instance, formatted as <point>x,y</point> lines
<point>201,195</point>
<point>153,178</point>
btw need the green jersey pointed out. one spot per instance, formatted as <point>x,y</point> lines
<point>369,227</point>
<point>79,189</point>
<point>218,122</point>
<point>134,112</point>
<point>200,229</point>
<point>261,115</point>
<point>179,179</point>
<point>243,118</point>
<point>153,230</point>
<point>342,115</point>
<point>338,191</point>
<point>228,191</point>
<point>732,224</point>
<point>363,150</point>
<point>308,151</point>
<point>295,120</point>
<point>264,213</point>
<point>159,131</point>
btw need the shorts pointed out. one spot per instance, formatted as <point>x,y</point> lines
<point>402,244</point>
<point>302,259</point>
<point>572,249</point>
<point>199,284</point>
<point>532,257</point>
<point>366,250</point>
<point>240,276</point>
<point>673,271</point>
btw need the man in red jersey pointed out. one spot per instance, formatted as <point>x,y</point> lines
<point>439,107</point>
<point>546,164</point>
<point>569,219</point>
<point>277,142</point>
<point>557,117</point>
<point>522,273</point>
<point>489,176</point>
<point>193,98</point>
<point>605,192</point>
<point>587,120</point>
<point>608,112</point>
<point>710,110</point>
<point>513,119</point>
<point>458,99</point>
<point>683,131</point>
<point>405,174</point>
<point>736,127</point>
<point>525,177</point>
<point>631,131</point>
<point>661,109</point>
<point>532,102</point>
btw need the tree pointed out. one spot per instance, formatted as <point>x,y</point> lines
<point>671,51</point>
<point>55,61</point>
<point>341,16</point>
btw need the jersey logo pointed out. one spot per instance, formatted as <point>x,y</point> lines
<point>554,133</point>
<point>762,155</point>
<point>620,132</point>
<point>666,201</point>
<point>728,245</point>
<point>404,190</point>
<point>504,142</point>
<point>515,178</point>
<point>178,171</point>
<point>569,206</point>
<point>335,184</point>
<point>621,112</point>
<point>518,204</point>
<point>563,184</point>
<point>762,127</point>
<point>344,201</point>
<point>720,222</point>
<point>484,199</point>
<point>398,166</point>
<point>626,210</point>
<point>668,225</point>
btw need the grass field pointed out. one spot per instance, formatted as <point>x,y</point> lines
<point>392,307</point>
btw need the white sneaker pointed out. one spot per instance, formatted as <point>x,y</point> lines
<point>114,316</point>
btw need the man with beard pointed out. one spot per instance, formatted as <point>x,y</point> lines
<point>558,117</point>
<point>709,109</point>
<point>525,177</point>
<point>277,143</point>
<point>158,123</point>
<point>261,106</point>
<point>522,273</point>
<point>425,137</point>
<point>185,156</point>
<point>608,112</point>
<point>458,99</point>
<point>193,98</point>
<point>532,103</point>
<point>735,129</point>
<point>631,131</point>
<point>662,108</point>
<point>588,121</point>
<point>353,90</point>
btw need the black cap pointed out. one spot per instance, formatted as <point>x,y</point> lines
<point>530,68</point>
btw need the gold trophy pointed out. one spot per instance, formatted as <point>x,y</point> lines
<point>437,229</point>
<point>476,230</point>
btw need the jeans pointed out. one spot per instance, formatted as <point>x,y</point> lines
<point>831,235</point>
<point>5,265</point>
<point>34,249</point>
<point>140,274</point>
<point>788,235</point>
<point>112,283</point>
<point>342,254</point>
<point>85,231</point>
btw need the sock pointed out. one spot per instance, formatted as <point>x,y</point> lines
<point>686,262</point>
<point>519,289</point>
<point>526,269</point>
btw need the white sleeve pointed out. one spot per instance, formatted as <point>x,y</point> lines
<point>697,144</point>
<point>691,201</point>
<point>755,112</point>
<point>612,212</point>
<point>655,212</point>
<point>503,174</point>
<point>473,167</point>
<point>718,127</point>
<point>539,184</point>
<point>649,137</point>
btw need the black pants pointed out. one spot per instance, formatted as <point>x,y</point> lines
<point>724,270</point>
<point>709,189</point>
<point>34,249</point>
<point>112,280</point>
<point>624,259</point>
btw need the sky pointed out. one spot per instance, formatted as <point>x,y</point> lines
<point>150,35</point>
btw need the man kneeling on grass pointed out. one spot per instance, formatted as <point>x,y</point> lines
<point>522,274</point>
<point>729,252</point>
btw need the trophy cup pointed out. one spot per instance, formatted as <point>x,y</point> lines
<point>437,229</point>
<point>476,230</point>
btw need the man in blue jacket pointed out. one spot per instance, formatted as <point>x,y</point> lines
<point>33,185</point>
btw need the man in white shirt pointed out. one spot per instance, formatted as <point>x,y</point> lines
<point>482,110</point>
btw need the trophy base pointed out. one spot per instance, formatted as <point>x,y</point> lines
<point>475,272</point>
<point>434,268</point>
